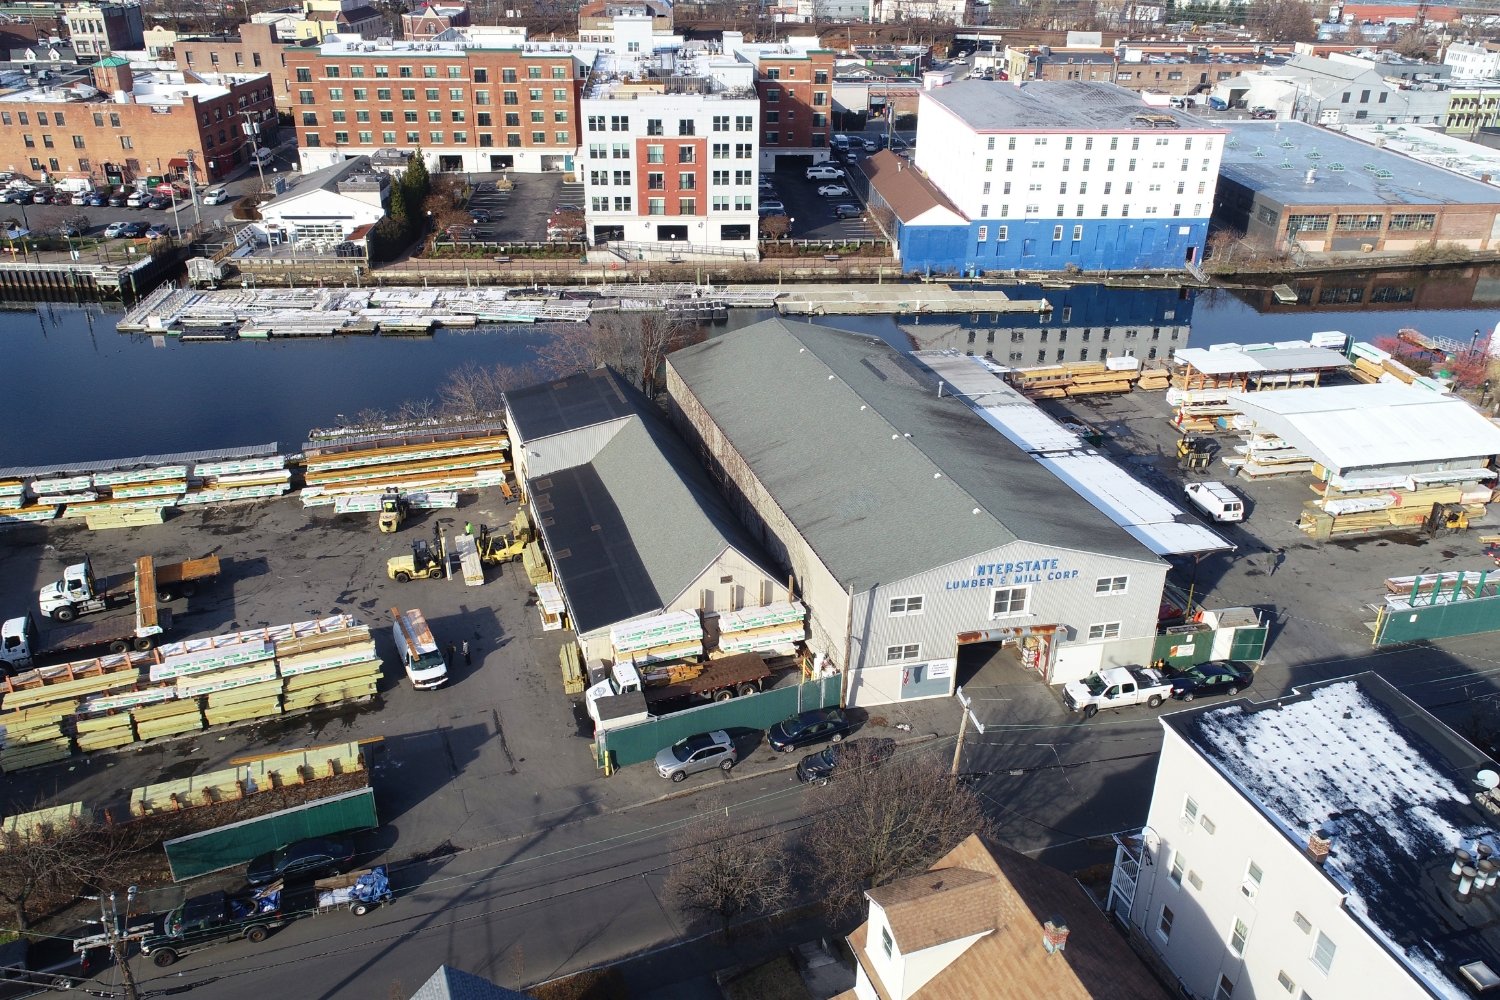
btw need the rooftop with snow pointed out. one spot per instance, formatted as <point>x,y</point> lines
<point>1392,789</point>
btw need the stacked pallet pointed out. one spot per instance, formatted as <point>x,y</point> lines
<point>672,636</point>
<point>1080,378</point>
<point>774,629</point>
<point>460,463</point>
<point>167,718</point>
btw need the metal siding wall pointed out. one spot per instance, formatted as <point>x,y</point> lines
<point>568,449</point>
<point>946,612</point>
<point>641,742</point>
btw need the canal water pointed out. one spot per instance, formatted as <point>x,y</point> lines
<point>76,390</point>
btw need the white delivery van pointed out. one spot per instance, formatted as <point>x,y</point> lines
<point>1217,501</point>
<point>418,650</point>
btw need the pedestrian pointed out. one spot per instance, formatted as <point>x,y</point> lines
<point>1276,563</point>
<point>448,655</point>
<point>468,527</point>
<point>468,660</point>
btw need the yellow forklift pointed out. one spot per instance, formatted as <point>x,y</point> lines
<point>1195,452</point>
<point>393,511</point>
<point>426,561</point>
<point>1447,518</point>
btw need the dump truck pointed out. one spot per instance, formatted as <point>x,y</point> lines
<point>21,642</point>
<point>715,679</point>
<point>419,651</point>
<point>1117,687</point>
<point>82,592</point>
<point>214,918</point>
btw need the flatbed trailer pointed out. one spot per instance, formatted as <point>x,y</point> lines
<point>82,592</point>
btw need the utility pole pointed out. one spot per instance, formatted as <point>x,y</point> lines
<point>252,139</point>
<point>110,919</point>
<point>193,186</point>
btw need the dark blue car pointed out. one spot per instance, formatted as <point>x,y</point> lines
<point>810,727</point>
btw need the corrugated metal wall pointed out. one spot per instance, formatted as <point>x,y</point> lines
<point>534,459</point>
<point>1438,621</point>
<point>639,743</point>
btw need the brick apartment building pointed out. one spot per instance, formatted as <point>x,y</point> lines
<point>254,50</point>
<point>1178,69</point>
<point>96,30</point>
<point>794,81</point>
<point>113,125</point>
<point>469,103</point>
<point>433,18</point>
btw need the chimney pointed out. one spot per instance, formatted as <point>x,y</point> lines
<point>1055,935</point>
<point>112,76</point>
<point>1318,848</point>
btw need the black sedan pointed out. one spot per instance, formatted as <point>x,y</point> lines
<point>306,859</point>
<point>809,727</point>
<point>819,767</point>
<point>1214,677</point>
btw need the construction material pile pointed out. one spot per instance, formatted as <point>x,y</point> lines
<point>676,635</point>
<point>263,774</point>
<point>772,630</point>
<point>424,467</point>
<point>125,497</point>
<point>111,701</point>
<point>1346,505</point>
<point>1088,378</point>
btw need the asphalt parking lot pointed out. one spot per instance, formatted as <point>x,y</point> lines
<point>519,214</point>
<point>812,214</point>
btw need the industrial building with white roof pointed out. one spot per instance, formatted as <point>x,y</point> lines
<point>1333,843</point>
<point>918,512</point>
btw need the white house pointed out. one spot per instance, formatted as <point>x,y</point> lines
<point>982,923</point>
<point>1331,844</point>
<point>329,204</point>
<point>1473,60</point>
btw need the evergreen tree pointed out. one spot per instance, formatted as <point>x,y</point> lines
<point>416,180</point>
<point>398,203</point>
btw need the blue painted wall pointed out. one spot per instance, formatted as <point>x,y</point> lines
<point>1106,244</point>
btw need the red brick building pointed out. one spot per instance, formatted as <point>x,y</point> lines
<point>795,85</point>
<point>468,107</point>
<point>254,50</point>
<point>433,18</point>
<point>113,125</point>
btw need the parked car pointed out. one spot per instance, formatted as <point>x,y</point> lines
<point>97,200</point>
<point>810,727</point>
<point>871,145</point>
<point>80,199</point>
<point>215,196</point>
<point>116,201</point>
<point>136,199</point>
<point>847,211</point>
<point>480,216</point>
<point>819,767</point>
<point>116,229</point>
<point>699,752</point>
<point>41,197</point>
<point>60,198</point>
<point>315,857</point>
<point>158,230</point>
<point>833,191</point>
<point>134,230</point>
<point>771,207</point>
<point>159,202</point>
<point>825,172</point>
<point>72,229</point>
<point>1213,677</point>
<point>1262,114</point>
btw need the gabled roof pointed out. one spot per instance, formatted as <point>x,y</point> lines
<point>325,180</point>
<point>453,984</point>
<point>850,438</point>
<point>1010,963</point>
<point>937,906</point>
<point>631,529</point>
<point>908,191</point>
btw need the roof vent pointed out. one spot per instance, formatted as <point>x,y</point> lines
<point>1479,975</point>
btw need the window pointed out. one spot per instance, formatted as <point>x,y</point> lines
<point>907,651</point>
<point>1110,585</point>
<point>1307,224</point>
<point>1302,923</point>
<point>1282,979</point>
<point>885,941</point>
<point>984,234</point>
<point>1323,951</point>
<point>1179,865</point>
<point>687,206</point>
<point>1239,936</point>
<point>1225,989</point>
<point>656,206</point>
<point>1104,630</point>
<point>125,142</point>
<point>1078,230</point>
<point>1207,824</point>
<point>1002,233</point>
<point>78,142</point>
<point>1164,923</point>
<point>1406,221</point>
<point>901,606</point>
<point>1010,601</point>
<point>1190,809</point>
<point>1251,885</point>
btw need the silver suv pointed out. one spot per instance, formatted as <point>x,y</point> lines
<point>699,752</point>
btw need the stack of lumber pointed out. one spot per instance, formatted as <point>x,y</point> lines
<point>34,736</point>
<point>1266,456</point>
<point>330,687</point>
<point>337,665</point>
<point>15,510</point>
<point>167,718</point>
<point>673,636</point>
<point>238,479</point>
<point>118,490</point>
<point>1198,411</point>
<point>461,463</point>
<point>1154,377</point>
<point>535,564</point>
<point>247,778</point>
<point>1079,378</point>
<point>23,825</point>
<point>103,732</point>
<point>775,629</point>
<point>575,679</point>
<point>129,497</point>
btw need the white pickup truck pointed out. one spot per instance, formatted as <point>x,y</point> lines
<point>1116,687</point>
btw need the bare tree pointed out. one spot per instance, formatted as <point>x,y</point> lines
<point>634,344</point>
<point>1412,43</point>
<point>774,227</point>
<point>884,823</point>
<point>51,864</point>
<point>474,389</point>
<point>1282,20</point>
<point>721,873</point>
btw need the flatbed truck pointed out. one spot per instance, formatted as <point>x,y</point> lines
<point>21,642</point>
<point>82,592</point>
<point>714,679</point>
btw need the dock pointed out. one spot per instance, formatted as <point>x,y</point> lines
<point>220,315</point>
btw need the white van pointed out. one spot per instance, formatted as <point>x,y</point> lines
<point>1216,500</point>
<point>263,156</point>
<point>419,651</point>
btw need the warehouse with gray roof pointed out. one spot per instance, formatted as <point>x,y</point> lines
<point>632,524</point>
<point>910,526</point>
<point>1285,183</point>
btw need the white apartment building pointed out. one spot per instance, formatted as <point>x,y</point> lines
<point>1333,844</point>
<point>945,11</point>
<point>1052,173</point>
<point>1473,60</point>
<point>671,161</point>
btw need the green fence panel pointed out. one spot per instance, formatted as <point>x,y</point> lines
<point>1438,621</point>
<point>1249,643</point>
<point>638,743</point>
<point>226,846</point>
<point>1183,649</point>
